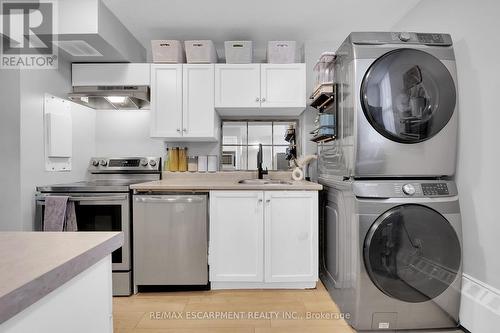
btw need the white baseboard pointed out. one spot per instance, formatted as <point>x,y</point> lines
<point>262,285</point>
<point>480,306</point>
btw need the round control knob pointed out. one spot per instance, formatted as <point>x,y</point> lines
<point>152,163</point>
<point>404,36</point>
<point>409,189</point>
<point>103,163</point>
<point>144,163</point>
<point>95,163</point>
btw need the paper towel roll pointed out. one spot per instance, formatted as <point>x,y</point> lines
<point>297,174</point>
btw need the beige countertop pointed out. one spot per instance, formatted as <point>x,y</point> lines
<point>186,181</point>
<point>35,263</point>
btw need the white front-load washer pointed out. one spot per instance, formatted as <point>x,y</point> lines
<point>391,252</point>
<point>396,106</point>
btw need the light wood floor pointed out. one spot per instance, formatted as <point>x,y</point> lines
<point>133,314</point>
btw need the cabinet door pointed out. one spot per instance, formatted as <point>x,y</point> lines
<point>236,251</point>
<point>283,85</point>
<point>291,236</point>
<point>198,115</point>
<point>237,86</point>
<point>166,101</point>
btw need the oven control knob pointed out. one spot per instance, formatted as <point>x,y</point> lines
<point>103,162</point>
<point>409,189</point>
<point>404,36</point>
<point>152,163</point>
<point>144,163</point>
<point>95,163</point>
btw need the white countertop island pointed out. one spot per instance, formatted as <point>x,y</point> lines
<point>56,281</point>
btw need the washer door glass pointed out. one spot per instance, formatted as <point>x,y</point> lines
<point>412,253</point>
<point>408,95</point>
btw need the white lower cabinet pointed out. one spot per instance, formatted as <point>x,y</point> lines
<point>291,236</point>
<point>263,239</point>
<point>236,246</point>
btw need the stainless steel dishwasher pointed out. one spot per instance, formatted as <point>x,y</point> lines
<point>170,239</point>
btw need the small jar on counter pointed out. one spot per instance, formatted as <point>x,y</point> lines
<point>212,163</point>
<point>183,163</point>
<point>202,163</point>
<point>192,163</point>
<point>173,159</point>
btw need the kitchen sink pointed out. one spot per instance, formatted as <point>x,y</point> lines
<point>264,182</point>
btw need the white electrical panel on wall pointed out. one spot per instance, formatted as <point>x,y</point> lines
<point>58,131</point>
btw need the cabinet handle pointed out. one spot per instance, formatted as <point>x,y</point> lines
<point>263,99</point>
<point>179,130</point>
<point>260,200</point>
<point>268,200</point>
<point>184,130</point>
<point>257,99</point>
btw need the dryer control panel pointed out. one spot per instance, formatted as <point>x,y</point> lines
<point>403,189</point>
<point>429,189</point>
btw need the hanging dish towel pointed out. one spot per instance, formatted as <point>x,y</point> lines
<point>59,214</point>
<point>55,213</point>
<point>70,218</point>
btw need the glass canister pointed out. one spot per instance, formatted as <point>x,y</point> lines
<point>165,163</point>
<point>202,163</point>
<point>183,163</point>
<point>173,159</point>
<point>324,68</point>
<point>192,163</point>
<point>212,165</point>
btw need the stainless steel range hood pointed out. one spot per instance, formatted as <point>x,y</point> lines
<point>112,97</point>
<point>111,86</point>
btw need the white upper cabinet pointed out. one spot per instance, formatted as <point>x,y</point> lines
<point>237,86</point>
<point>291,236</point>
<point>260,89</point>
<point>182,102</point>
<point>198,112</point>
<point>166,101</point>
<point>283,86</point>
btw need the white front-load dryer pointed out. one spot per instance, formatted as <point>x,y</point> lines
<point>394,261</point>
<point>397,106</point>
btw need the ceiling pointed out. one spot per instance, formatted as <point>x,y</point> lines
<point>257,20</point>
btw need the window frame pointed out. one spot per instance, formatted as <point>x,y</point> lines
<point>247,145</point>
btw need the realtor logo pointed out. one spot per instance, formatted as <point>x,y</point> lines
<point>28,34</point>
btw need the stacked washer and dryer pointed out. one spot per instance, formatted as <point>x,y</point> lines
<point>391,226</point>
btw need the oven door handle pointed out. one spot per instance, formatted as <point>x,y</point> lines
<point>96,198</point>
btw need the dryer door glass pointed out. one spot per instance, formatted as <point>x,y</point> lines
<point>408,95</point>
<point>412,253</point>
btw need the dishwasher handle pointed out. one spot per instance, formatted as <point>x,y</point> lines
<point>169,199</point>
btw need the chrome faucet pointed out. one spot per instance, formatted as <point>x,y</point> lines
<point>259,163</point>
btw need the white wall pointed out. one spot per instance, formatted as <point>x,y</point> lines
<point>33,85</point>
<point>9,149</point>
<point>126,133</point>
<point>474,26</point>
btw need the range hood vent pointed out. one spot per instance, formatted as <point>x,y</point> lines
<point>111,97</point>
